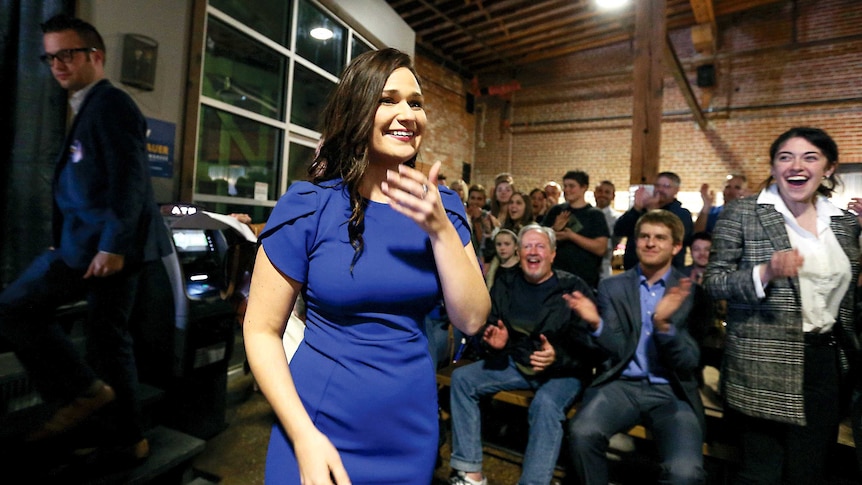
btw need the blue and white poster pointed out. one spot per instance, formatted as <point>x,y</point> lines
<point>160,147</point>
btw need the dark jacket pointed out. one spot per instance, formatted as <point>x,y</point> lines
<point>625,227</point>
<point>619,304</point>
<point>764,358</point>
<point>563,328</point>
<point>103,197</point>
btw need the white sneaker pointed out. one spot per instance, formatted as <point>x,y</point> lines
<point>461,478</point>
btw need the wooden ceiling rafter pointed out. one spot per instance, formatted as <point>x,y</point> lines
<point>704,35</point>
<point>532,38</point>
<point>513,21</point>
<point>578,43</point>
<point>552,40</point>
<point>488,16</point>
<point>536,25</point>
<point>580,47</point>
<point>469,16</point>
<point>484,36</point>
<point>472,18</point>
<point>703,11</point>
<point>678,73</point>
<point>506,62</point>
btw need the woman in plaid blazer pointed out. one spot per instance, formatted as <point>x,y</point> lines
<point>786,261</point>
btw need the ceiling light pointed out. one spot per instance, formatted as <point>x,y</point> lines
<point>611,4</point>
<point>321,33</point>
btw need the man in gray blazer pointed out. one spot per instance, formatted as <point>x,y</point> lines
<point>642,323</point>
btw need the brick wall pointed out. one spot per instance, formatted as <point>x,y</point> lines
<point>450,137</point>
<point>777,66</point>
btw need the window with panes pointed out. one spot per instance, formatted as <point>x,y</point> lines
<point>268,68</point>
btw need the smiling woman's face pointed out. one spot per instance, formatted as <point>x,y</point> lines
<point>798,168</point>
<point>400,119</point>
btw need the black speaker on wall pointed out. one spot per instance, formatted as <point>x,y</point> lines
<point>470,104</point>
<point>706,75</point>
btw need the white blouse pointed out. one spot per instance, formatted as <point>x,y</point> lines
<point>825,273</point>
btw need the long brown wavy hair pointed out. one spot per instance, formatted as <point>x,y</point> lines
<point>347,124</point>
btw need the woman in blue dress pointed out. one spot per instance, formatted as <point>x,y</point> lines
<point>371,244</point>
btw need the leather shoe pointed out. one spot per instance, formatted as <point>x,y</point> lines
<point>139,451</point>
<point>114,457</point>
<point>75,412</point>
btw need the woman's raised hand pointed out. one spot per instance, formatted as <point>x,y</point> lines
<point>416,196</point>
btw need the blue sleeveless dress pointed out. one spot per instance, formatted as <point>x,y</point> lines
<point>363,370</point>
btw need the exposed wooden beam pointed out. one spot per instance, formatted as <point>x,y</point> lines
<point>703,11</point>
<point>552,35</point>
<point>483,36</point>
<point>484,67</point>
<point>648,78</point>
<point>563,40</point>
<point>525,25</point>
<point>500,24</point>
<point>474,17</point>
<point>704,35</point>
<point>468,16</point>
<point>678,73</point>
<point>505,61</point>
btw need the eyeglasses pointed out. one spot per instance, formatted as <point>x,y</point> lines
<point>65,55</point>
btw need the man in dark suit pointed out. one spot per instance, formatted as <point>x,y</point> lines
<point>106,226</point>
<point>650,374</point>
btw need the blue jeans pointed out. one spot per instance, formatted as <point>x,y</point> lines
<point>59,372</point>
<point>617,406</point>
<point>437,332</point>
<point>546,415</point>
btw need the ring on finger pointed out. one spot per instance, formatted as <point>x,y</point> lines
<point>424,191</point>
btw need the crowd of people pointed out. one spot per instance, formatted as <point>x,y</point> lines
<point>781,265</point>
<point>544,332</point>
<point>379,252</point>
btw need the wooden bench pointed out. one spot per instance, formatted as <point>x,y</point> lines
<point>712,409</point>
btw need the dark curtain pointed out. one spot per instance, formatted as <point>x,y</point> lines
<point>32,127</point>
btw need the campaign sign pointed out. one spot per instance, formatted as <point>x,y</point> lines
<point>160,147</point>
